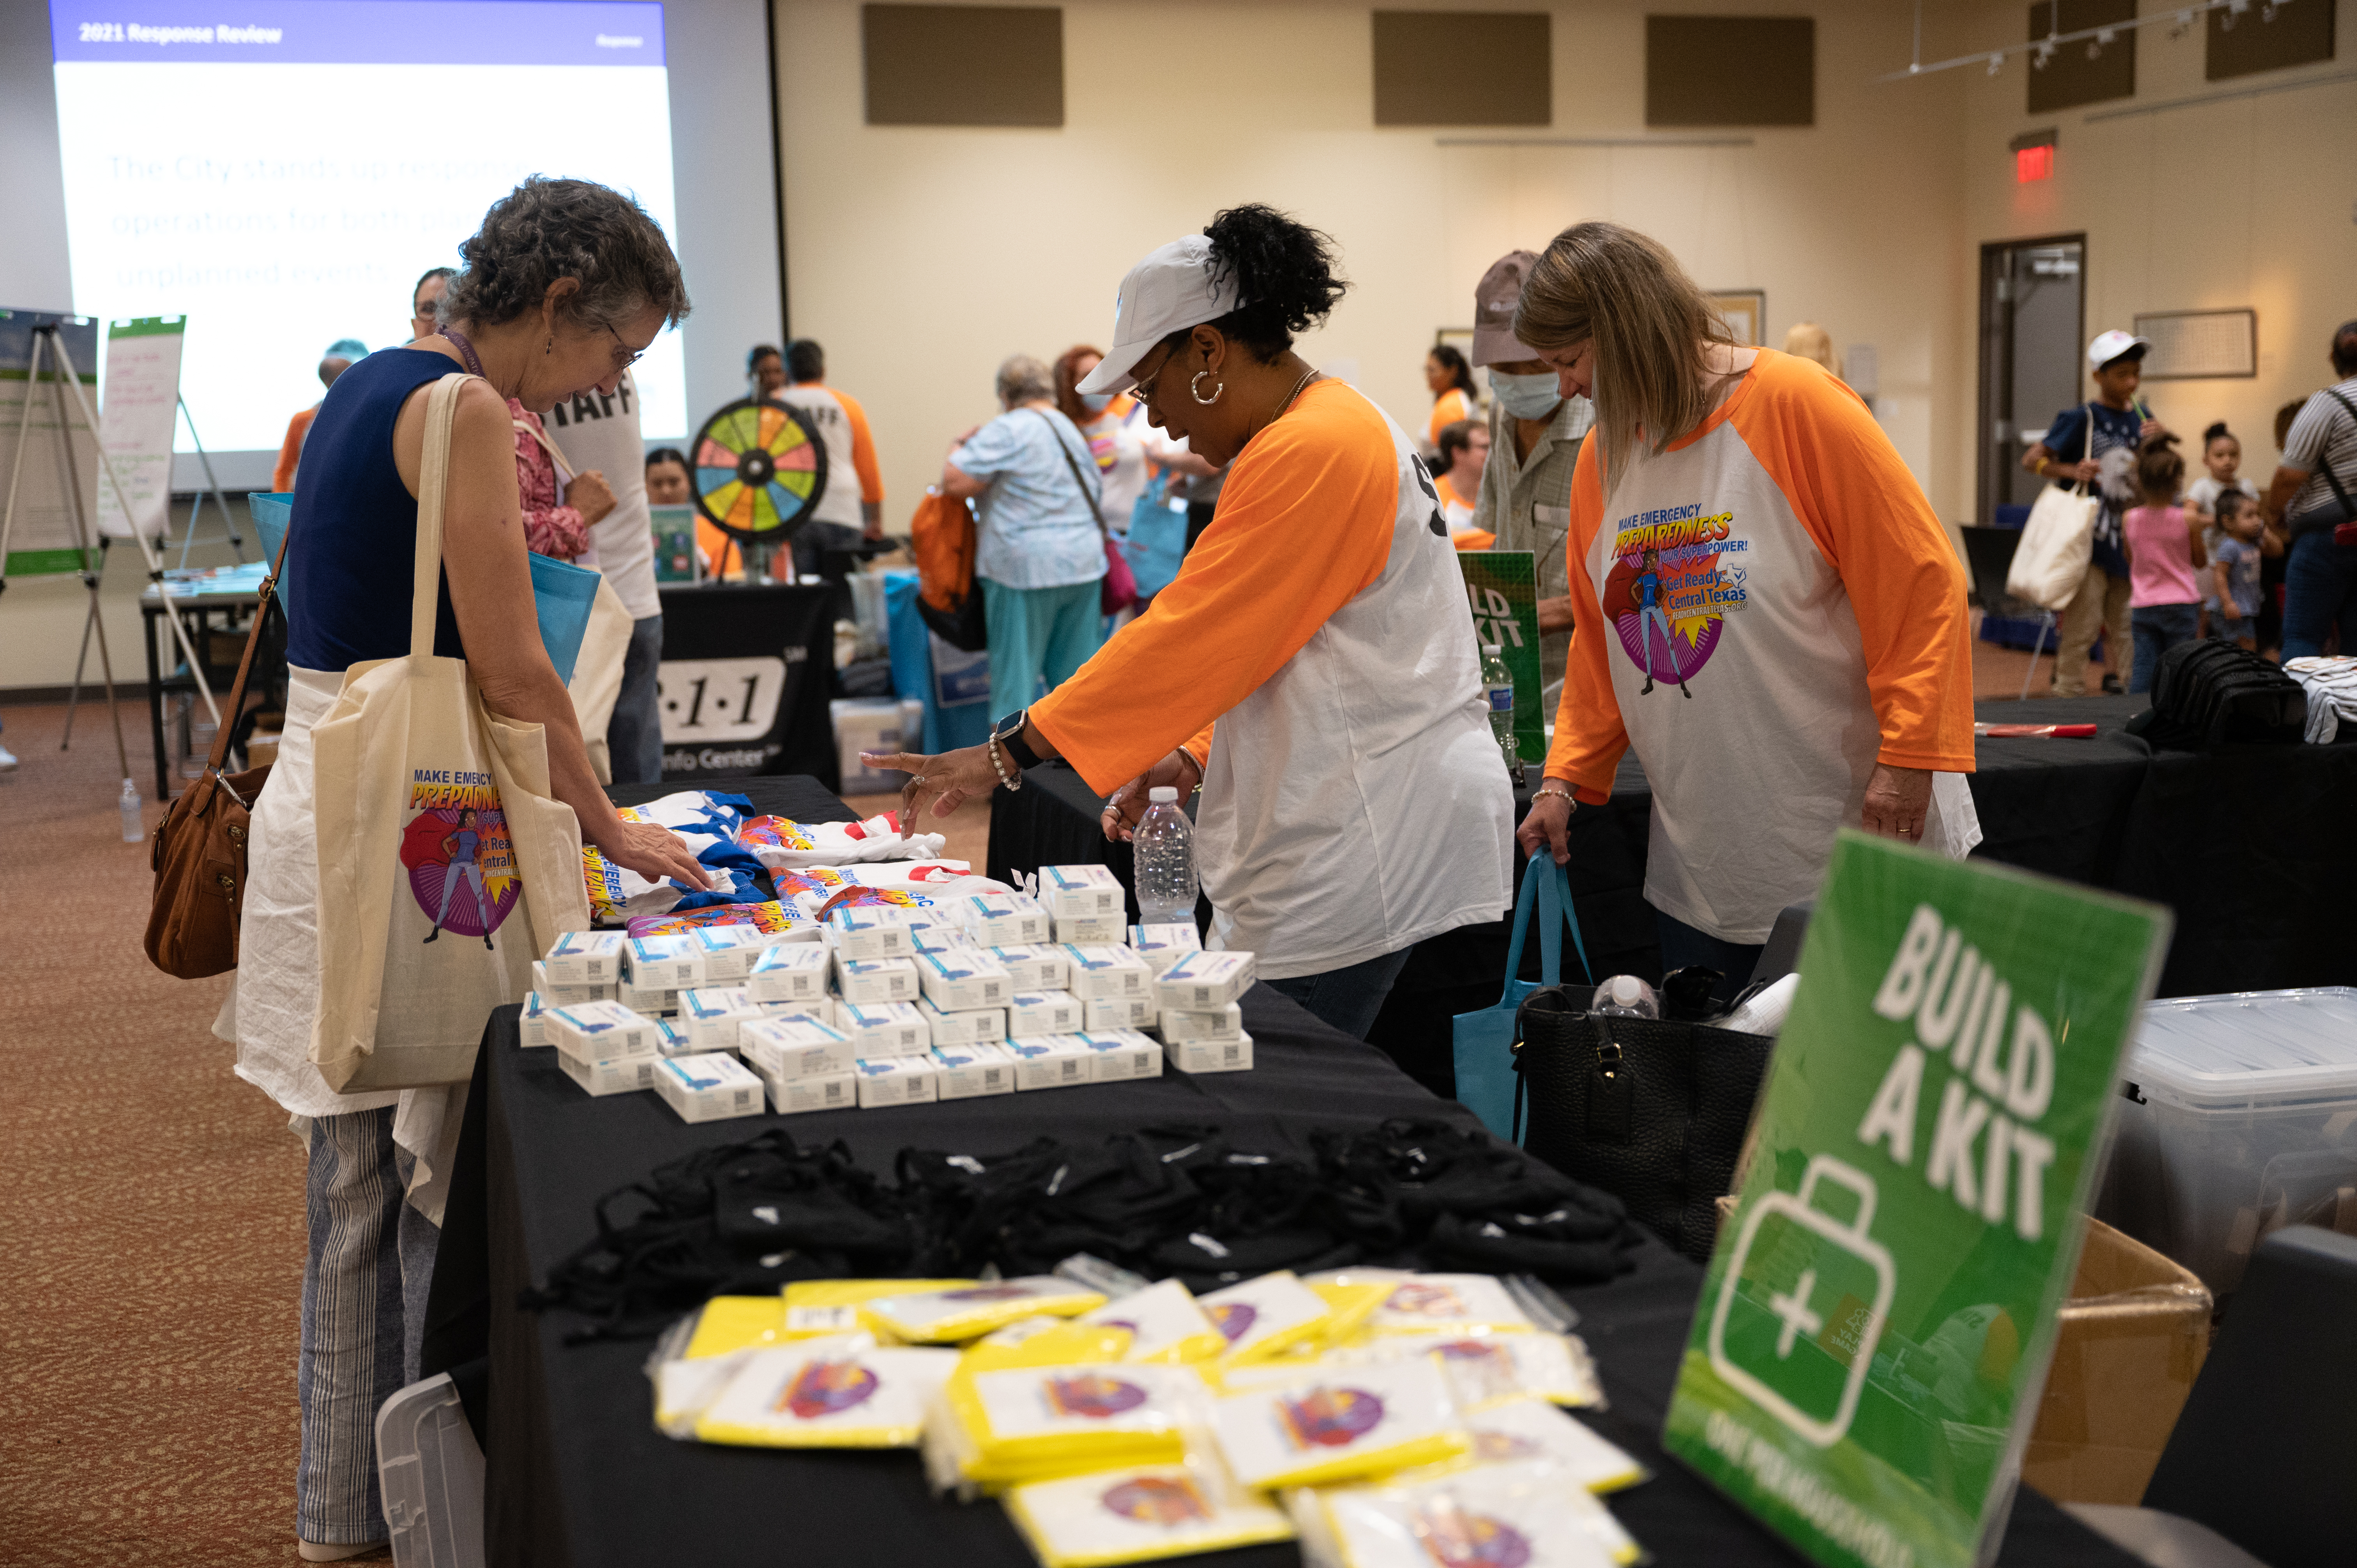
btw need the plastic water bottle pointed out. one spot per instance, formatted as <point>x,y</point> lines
<point>1626,996</point>
<point>1165,845</point>
<point>1497,686</point>
<point>135,826</point>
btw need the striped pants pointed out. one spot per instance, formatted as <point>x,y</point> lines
<point>364,1282</point>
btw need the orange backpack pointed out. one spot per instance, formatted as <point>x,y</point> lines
<point>944,539</point>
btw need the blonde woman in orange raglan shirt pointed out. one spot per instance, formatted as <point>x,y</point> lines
<point>1312,668</point>
<point>1767,609</point>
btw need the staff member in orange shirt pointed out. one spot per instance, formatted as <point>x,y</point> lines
<point>1312,667</point>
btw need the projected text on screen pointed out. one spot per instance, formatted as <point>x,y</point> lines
<point>282,171</point>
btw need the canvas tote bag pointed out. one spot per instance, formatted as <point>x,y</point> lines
<point>596,683</point>
<point>433,820</point>
<point>2057,542</point>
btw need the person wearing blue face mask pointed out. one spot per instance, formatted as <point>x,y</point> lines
<point>1534,436</point>
<point>1112,423</point>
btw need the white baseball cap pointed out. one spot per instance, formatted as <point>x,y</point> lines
<point>1172,289</point>
<point>2110,346</point>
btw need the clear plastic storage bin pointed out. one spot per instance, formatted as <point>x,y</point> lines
<point>2242,1119</point>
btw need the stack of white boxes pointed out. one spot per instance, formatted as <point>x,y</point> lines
<point>1202,1024</point>
<point>1087,903</point>
<point>604,1047</point>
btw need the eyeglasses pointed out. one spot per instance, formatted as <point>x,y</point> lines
<point>1143,387</point>
<point>630,356</point>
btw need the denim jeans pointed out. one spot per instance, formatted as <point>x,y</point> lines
<point>1350,997</point>
<point>1682,944</point>
<point>634,730</point>
<point>2158,629</point>
<point>2319,591</point>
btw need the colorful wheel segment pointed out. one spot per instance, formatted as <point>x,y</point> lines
<point>760,470</point>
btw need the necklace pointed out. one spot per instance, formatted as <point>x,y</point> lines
<point>1308,376</point>
<point>466,349</point>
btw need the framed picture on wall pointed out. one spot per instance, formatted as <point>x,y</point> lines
<point>1746,312</point>
<point>1458,337</point>
<point>2200,345</point>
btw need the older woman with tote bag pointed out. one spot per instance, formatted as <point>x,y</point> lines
<point>418,842</point>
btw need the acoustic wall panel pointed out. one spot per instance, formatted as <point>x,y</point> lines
<point>2070,76</point>
<point>963,65</point>
<point>1463,67</point>
<point>2297,34</point>
<point>1730,70</point>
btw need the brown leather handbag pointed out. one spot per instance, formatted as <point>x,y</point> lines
<point>199,853</point>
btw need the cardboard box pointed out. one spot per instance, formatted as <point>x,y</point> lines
<point>1032,1015</point>
<point>571,994</point>
<point>791,972</point>
<point>870,930</point>
<point>648,1001</point>
<point>1203,981</point>
<point>962,982</point>
<point>896,1080</point>
<point>1005,919</point>
<point>1053,1061</point>
<point>585,958</point>
<point>969,1026</point>
<point>669,964</point>
<point>894,1029</point>
<point>798,1048</point>
<point>709,1087</point>
<point>673,1039</point>
<point>1104,969</point>
<point>875,981</point>
<point>792,1095</point>
<point>619,1075</point>
<point>1162,946</point>
<point>729,951</point>
<point>1035,966</point>
<point>1072,892</point>
<point>1180,1026</point>
<point>1090,930</point>
<point>532,1027</point>
<point>942,939</point>
<point>600,1031</point>
<point>966,1072</point>
<point>1123,1054</point>
<point>1210,1055</point>
<point>710,1014</point>
<point>1104,1013</point>
<point>2133,1335</point>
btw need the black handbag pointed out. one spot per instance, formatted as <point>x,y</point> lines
<point>1652,1110</point>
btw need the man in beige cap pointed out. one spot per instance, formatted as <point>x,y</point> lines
<point>1534,436</point>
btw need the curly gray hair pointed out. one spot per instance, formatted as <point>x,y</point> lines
<point>547,229</point>
<point>1023,378</point>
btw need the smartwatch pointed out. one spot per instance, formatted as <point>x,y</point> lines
<point>1009,736</point>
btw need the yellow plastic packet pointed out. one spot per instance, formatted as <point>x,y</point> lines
<point>1525,1513</point>
<point>1265,1317</point>
<point>1334,1425</point>
<point>1166,1322</point>
<point>816,1307</point>
<point>822,1394</point>
<point>1047,1342</point>
<point>1455,1303</point>
<point>1530,1429</point>
<point>968,1310</point>
<point>1488,1368</point>
<point>729,1323</point>
<point>1032,1422</point>
<point>1138,1514</point>
<point>1351,1297</point>
<point>685,1388</point>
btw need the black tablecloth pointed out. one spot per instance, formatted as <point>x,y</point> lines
<point>2244,844</point>
<point>578,1475</point>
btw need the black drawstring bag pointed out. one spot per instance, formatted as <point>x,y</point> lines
<point>1651,1110</point>
<point>2207,692</point>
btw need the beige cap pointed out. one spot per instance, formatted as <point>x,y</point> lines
<point>1495,301</point>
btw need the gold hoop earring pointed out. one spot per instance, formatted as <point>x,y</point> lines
<point>1195,388</point>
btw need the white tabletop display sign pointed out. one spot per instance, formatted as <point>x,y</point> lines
<point>143,399</point>
<point>41,535</point>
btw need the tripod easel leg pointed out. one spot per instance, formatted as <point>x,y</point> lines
<point>90,576</point>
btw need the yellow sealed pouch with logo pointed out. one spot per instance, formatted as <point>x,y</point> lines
<point>1034,1422</point>
<point>727,1323</point>
<point>1530,1514</point>
<point>1265,1317</point>
<point>1047,1342</point>
<point>1351,1298</point>
<point>973,1308</point>
<point>816,1307</point>
<point>1532,1429</point>
<point>1138,1514</point>
<point>1166,1322</point>
<point>1333,1424</point>
<point>685,1386</point>
<point>1488,1368</point>
<point>1455,1303</point>
<point>824,1395</point>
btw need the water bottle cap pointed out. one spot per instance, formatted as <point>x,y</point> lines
<point>1491,650</point>
<point>1163,795</point>
<point>1625,989</point>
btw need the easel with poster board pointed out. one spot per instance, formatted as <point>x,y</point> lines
<point>48,508</point>
<point>143,403</point>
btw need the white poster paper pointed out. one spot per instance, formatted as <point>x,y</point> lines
<point>143,399</point>
<point>37,531</point>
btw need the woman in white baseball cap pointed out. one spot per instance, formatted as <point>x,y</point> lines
<point>1311,669</point>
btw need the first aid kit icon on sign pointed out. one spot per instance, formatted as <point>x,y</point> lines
<point>1802,1304</point>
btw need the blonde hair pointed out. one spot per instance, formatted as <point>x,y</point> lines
<point>1807,340</point>
<point>1650,325</point>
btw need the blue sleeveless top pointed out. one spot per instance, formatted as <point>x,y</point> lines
<point>352,540</point>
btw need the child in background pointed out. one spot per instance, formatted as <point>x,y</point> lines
<point>2164,547</point>
<point>2222,454</point>
<point>2233,572</point>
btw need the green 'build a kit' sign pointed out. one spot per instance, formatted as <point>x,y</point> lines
<point>1502,590</point>
<point>1873,1333</point>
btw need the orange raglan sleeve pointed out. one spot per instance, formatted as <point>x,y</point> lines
<point>1589,736</point>
<point>1862,506</point>
<point>862,447</point>
<point>290,452</point>
<point>1303,526</point>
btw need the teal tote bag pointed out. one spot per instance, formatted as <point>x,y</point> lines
<point>1485,1040</point>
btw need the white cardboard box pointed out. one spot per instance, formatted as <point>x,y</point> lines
<point>648,1001</point>
<point>893,1030</point>
<point>1035,966</point>
<point>1071,892</point>
<point>1090,930</point>
<point>870,930</point>
<point>728,952</point>
<point>941,939</point>
<point>585,958</point>
<point>1162,946</point>
<point>796,1047</point>
<point>969,1071</point>
<point>672,1038</point>
<point>896,1080</point>
<point>874,981</point>
<point>974,1025</point>
<point>1123,1054</point>
<point>669,964</point>
<point>1053,1061</point>
<point>1005,919</point>
<point>836,1091</point>
<point>567,994</point>
<point>1202,980</point>
<point>1119,1013</point>
<point>1182,1026</point>
<point>600,1031</point>
<point>1210,1055</point>
<point>613,1075</point>
<point>1104,970</point>
<point>1034,1013</point>
<point>961,982</point>
<point>711,1014</point>
<point>790,972</point>
<point>531,1027</point>
<point>709,1087</point>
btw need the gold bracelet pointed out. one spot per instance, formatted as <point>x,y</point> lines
<point>1551,792</point>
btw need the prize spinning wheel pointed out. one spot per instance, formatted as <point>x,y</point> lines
<point>760,470</point>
